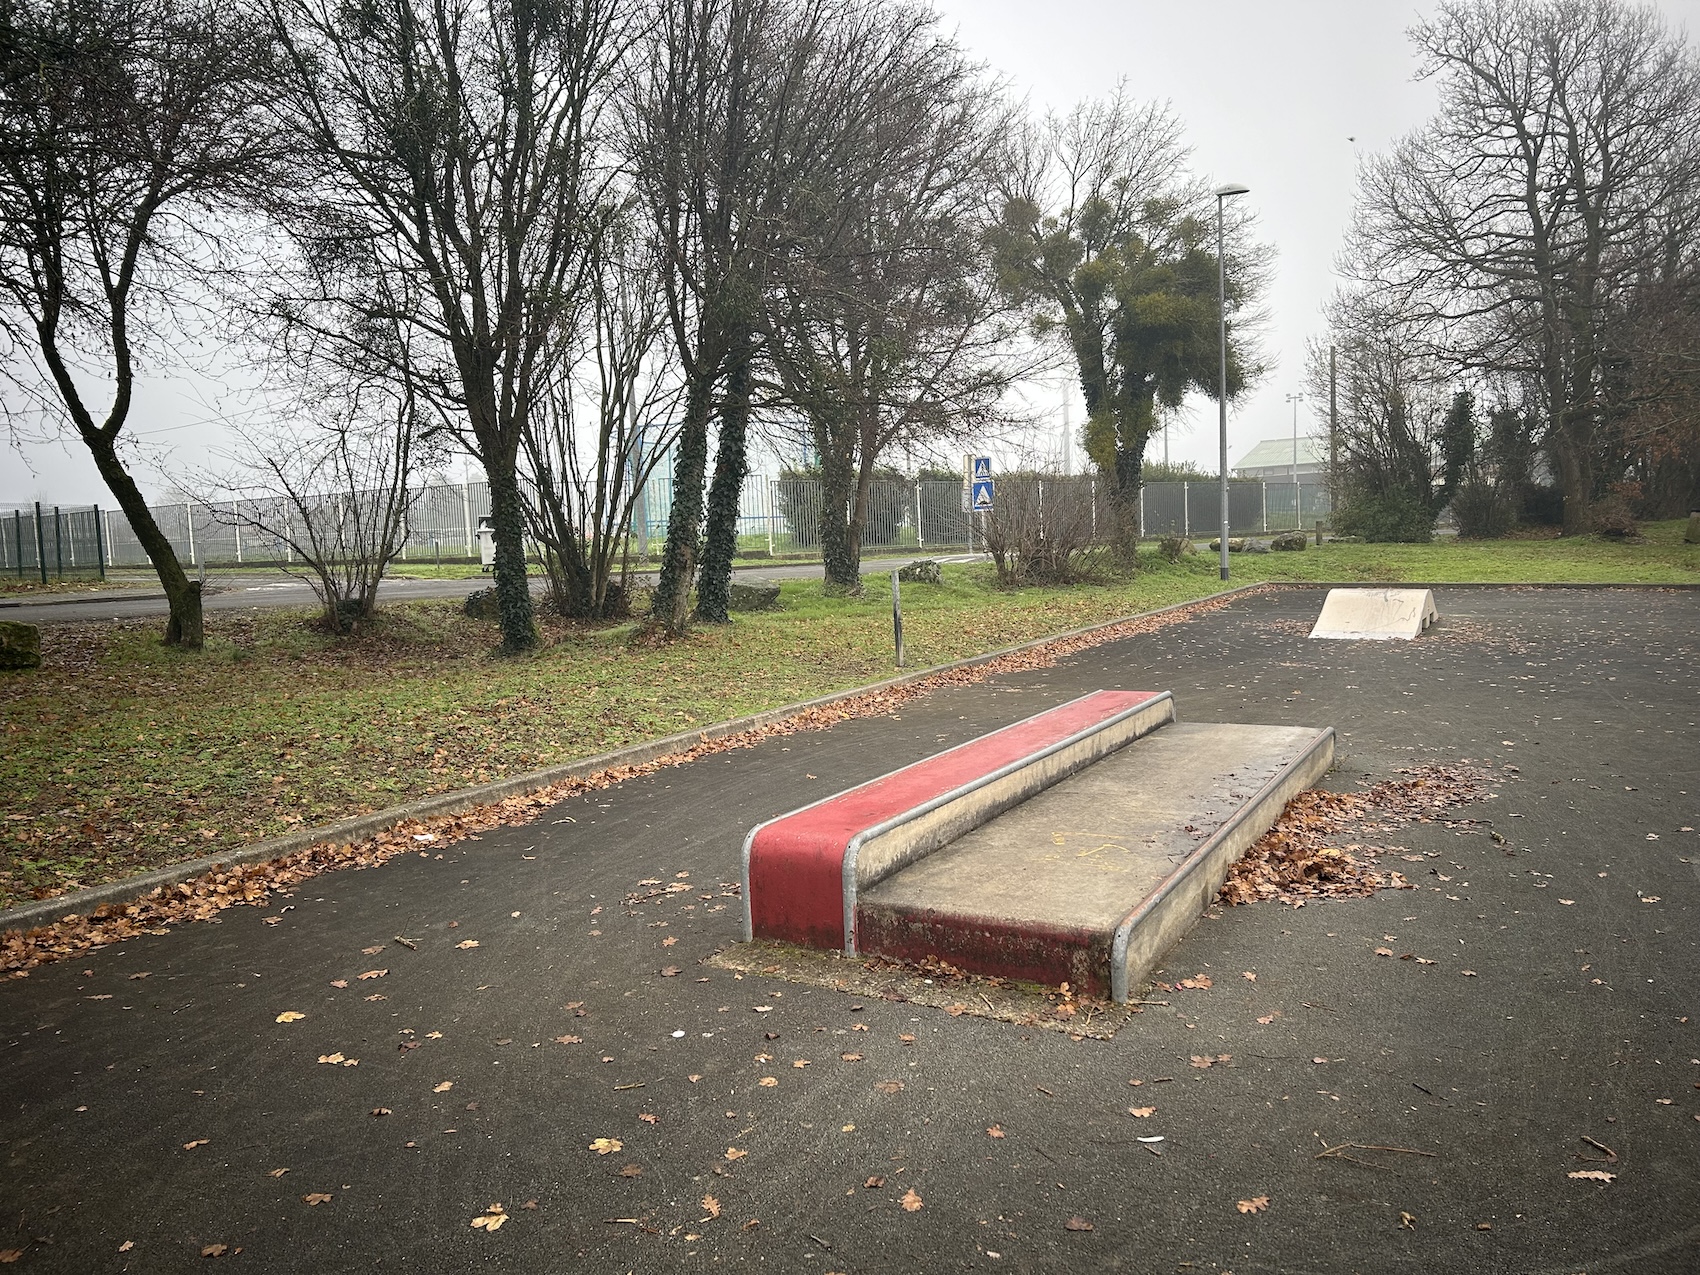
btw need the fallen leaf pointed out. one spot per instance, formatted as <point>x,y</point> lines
<point>994,1131</point>
<point>464,944</point>
<point>126,1246</point>
<point>330,1058</point>
<point>890,1086</point>
<point>768,1082</point>
<point>1077,1224</point>
<point>372,951</point>
<point>800,1062</point>
<point>1407,1221</point>
<point>851,1057</point>
<point>670,971</point>
<point>10,1255</point>
<point>1593,1175</point>
<point>1198,982</point>
<point>649,1117</point>
<point>1568,902</point>
<point>290,1016</point>
<point>569,1040</point>
<point>198,1142</point>
<point>215,1250</point>
<point>491,1220</point>
<point>371,974</point>
<point>1256,1204</point>
<point>607,1146</point>
<point>1248,975</point>
<point>1468,973</point>
<point>1142,1113</point>
<point>1319,1060</point>
<point>339,982</point>
<point>276,1173</point>
<point>315,1198</point>
<point>711,1206</point>
<point>631,1171</point>
<point>444,1087</point>
<point>911,1202</point>
<point>380,1111</point>
<point>1266,1019</point>
<point>874,1183</point>
<point>669,941</point>
<point>734,1153</point>
<point>1384,951</point>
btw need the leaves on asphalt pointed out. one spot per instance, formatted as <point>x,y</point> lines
<point>464,944</point>
<point>1592,1175</point>
<point>490,1220</point>
<point>198,1142</point>
<point>443,1086</point>
<point>315,1198</point>
<point>1198,982</point>
<point>1256,1204</point>
<point>607,1146</point>
<point>1142,1113</point>
<point>734,1153</point>
<point>1077,1223</point>
<point>911,1201</point>
<point>290,1016</point>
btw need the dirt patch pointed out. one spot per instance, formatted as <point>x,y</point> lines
<point>932,983</point>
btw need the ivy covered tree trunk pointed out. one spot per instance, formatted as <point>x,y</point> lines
<point>670,610</point>
<point>1124,502</point>
<point>513,590</point>
<point>838,555</point>
<point>731,464</point>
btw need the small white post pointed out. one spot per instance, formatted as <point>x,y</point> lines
<point>466,513</point>
<point>189,518</point>
<point>1186,508</point>
<point>770,503</point>
<point>237,528</point>
<point>920,537</point>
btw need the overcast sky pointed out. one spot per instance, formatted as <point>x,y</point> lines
<point>1282,96</point>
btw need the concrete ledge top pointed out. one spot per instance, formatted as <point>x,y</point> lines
<point>795,864</point>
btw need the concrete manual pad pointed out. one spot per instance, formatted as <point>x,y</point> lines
<point>1092,880</point>
<point>1373,615</point>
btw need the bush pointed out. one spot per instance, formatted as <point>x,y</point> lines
<point>1393,518</point>
<point>1612,517</point>
<point>1174,548</point>
<point>1482,511</point>
<point>1543,506</point>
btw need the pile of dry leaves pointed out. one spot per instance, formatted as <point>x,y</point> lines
<point>253,884</point>
<point>1319,848</point>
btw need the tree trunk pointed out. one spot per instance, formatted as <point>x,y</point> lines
<point>670,610</point>
<point>184,627</point>
<point>1124,502</point>
<point>513,592</point>
<point>731,463</point>
<point>838,557</point>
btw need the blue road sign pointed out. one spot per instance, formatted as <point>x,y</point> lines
<point>982,469</point>
<point>983,494</point>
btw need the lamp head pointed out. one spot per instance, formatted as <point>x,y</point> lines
<point>1232,188</point>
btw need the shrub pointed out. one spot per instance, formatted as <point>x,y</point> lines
<point>1174,548</point>
<point>1393,518</point>
<point>1482,511</point>
<point>1612,517</point>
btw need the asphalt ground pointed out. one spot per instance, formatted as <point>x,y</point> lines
<point>278,588</point>
<point>1580,1019</point>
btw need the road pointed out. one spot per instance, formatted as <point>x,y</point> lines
<point>276,589</point>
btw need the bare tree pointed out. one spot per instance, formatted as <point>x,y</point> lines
<point>460,156</point>
<point>886,327</point>
<point>131,133</point>
<point>1514,222</point>
<point>608,420</point>
<point>334,490</point>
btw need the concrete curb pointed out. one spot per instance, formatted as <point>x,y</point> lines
<point>83,599</point>
<point>358,827</point>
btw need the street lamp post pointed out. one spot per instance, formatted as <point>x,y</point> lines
<point>1295,400</point>
<point>1223,193</point>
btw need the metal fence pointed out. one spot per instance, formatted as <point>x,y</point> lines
<point>776,515</point>
<point>1255,507</point>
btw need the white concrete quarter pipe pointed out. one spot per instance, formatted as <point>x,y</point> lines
<point>1375,615</point>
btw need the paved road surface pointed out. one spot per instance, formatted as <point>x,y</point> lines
<point>1557,997</point>
<point>274,588</point>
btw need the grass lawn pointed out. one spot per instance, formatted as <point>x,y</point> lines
<point>120,755</point>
